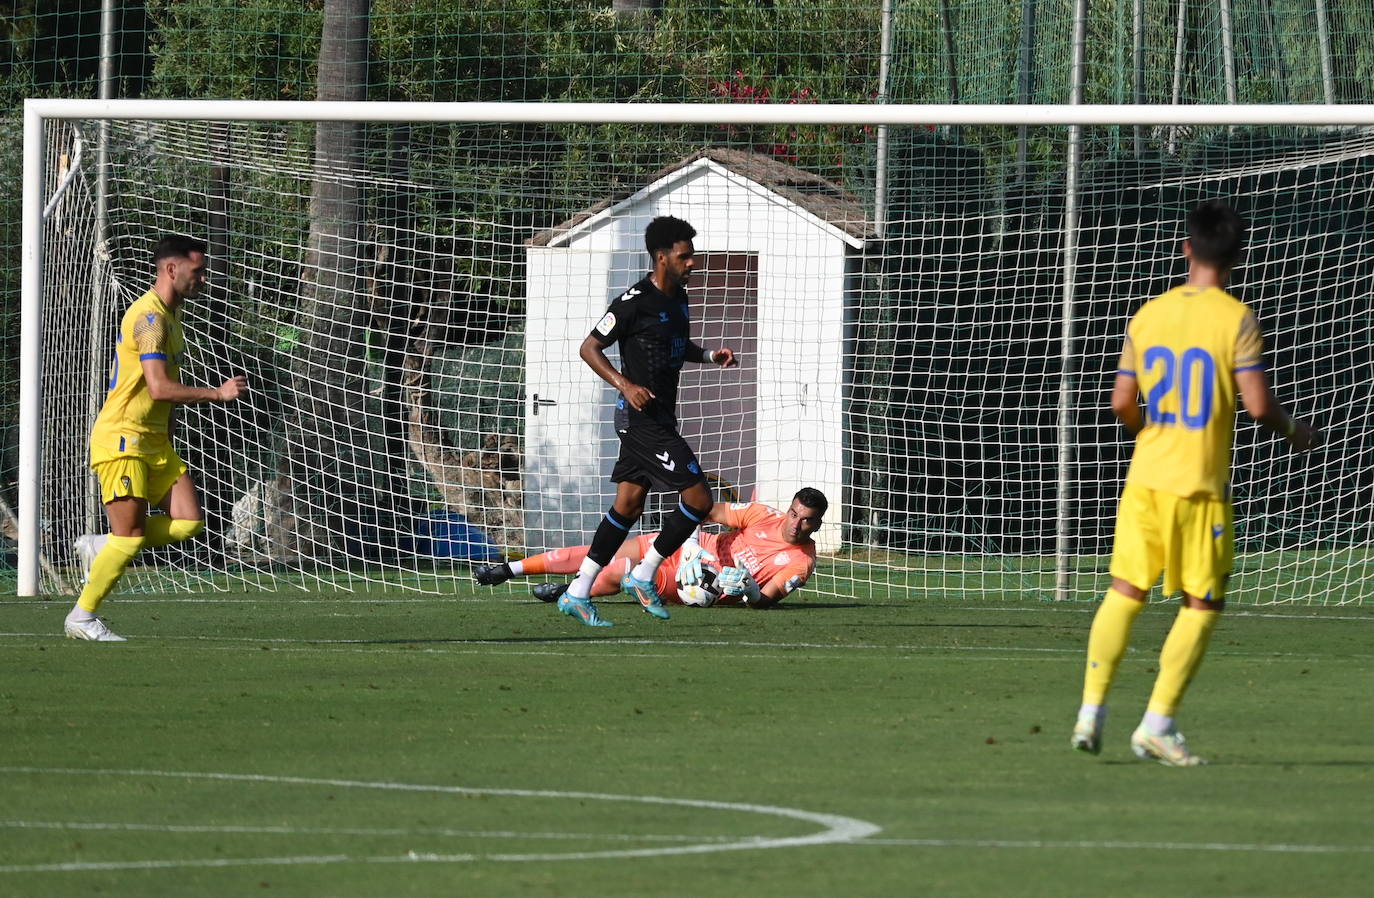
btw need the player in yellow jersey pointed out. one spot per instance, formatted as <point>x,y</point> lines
<point>764,557</point>
<point>131,449</point>
<point>1187,353</point>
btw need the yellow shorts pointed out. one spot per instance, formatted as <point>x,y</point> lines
<point>1191,540</point>
<point>147,477</point>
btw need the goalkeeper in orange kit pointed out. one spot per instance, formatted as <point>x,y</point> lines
<point>765,556</point>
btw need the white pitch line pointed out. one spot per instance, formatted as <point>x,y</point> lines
<point>345,831</point>
<point>1277,848</point>
<point>1309,617</point>
<point>837,829</point>
<point>91,866</point>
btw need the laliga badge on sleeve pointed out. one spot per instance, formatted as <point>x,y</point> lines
<point>606,324</point>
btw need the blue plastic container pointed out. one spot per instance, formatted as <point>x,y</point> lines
<point>447,534</point>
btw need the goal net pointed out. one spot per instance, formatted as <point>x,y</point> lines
<point>928,318</point>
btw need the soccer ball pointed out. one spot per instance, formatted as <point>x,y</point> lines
<point>703,594</point>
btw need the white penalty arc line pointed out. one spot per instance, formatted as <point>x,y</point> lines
<point>837,829</point>
<point>95,826</point>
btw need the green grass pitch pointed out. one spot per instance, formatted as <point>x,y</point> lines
<point>364,745</point>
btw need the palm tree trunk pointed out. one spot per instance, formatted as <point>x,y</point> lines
<point>324,494</point>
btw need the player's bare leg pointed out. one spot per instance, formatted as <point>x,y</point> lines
<point>127,516</point>
<point>182,501</point>
<point>183,517</point>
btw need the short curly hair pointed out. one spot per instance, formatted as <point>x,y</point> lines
<point>665,231</point>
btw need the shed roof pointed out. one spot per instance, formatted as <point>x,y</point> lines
<point>820,197</point>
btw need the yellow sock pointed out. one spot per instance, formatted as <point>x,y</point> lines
<point>161,530</point>
<point>1181,657</point>
<point>106,569</point>
<point>1107,641</point>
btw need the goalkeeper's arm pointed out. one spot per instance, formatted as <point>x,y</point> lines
<point>769,596</point>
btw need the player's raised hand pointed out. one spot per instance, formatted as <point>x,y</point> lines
<point>233,388</point>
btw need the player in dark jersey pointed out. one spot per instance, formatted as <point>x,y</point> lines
<point>650,322</point>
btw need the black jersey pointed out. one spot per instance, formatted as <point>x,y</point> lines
<point>651,328</point>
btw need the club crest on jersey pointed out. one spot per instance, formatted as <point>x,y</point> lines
<point>782,558</point>
<point>606,324</point>
<point>663,317</point>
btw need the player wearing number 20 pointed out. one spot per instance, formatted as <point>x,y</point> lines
<point>1187,352</point>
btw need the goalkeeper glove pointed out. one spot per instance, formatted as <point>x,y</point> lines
<point>689,565</point>
<point>736,581</point>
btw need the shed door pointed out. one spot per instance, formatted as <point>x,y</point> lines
<point>717,407</point>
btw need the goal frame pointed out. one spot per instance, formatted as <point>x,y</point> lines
<point>38,112</point>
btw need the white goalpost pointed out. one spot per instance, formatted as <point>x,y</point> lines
<point>406,284</point>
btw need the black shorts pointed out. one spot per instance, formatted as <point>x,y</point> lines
<point>656,457</point>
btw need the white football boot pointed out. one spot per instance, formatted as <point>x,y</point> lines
<point>93,630</point>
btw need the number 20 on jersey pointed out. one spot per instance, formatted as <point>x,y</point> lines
<point>1189,379</point>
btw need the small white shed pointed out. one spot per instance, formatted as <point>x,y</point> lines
<point>777,267</point>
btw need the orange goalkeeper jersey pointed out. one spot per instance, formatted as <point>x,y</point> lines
<point>755,541</point>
